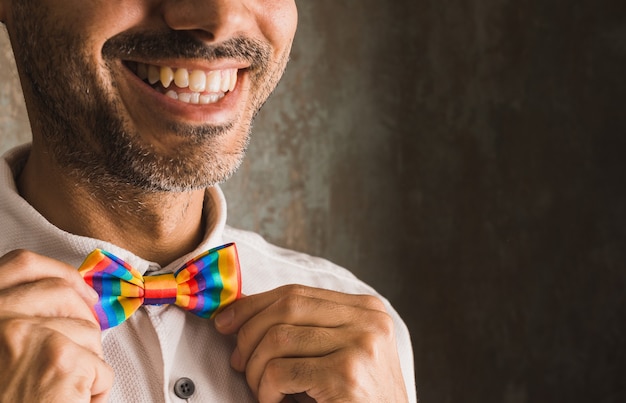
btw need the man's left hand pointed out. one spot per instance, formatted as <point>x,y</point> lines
<point>316,344</point>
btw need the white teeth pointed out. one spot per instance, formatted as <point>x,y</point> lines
<point>213,81</point>
<point>185,97</point>
<point>204,87</point>
<point>153,74</point>
<point>197,81</point>
<point>195,97</point>
<point>181,78</point>
<point>225,80</point>
<point>166,76</point>
<point>233,80</point>
<point>210,98</point>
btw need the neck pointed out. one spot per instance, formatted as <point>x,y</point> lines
<point>158,226</point>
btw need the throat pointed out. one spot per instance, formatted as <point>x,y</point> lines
<point>157,226</point>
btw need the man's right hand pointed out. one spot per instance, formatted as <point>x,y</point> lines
<point>50,342</point>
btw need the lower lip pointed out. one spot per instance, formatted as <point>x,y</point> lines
<point>222,111</point>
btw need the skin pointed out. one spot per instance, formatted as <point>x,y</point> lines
<point>87,108</point>
<point>49,340</point>
<point>297,343</point>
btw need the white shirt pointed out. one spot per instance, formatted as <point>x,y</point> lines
<point>159,345</point>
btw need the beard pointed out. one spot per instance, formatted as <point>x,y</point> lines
<point>85,127</point>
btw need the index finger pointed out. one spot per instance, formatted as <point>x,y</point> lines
<point>234,316</point>
<point>22,266</point>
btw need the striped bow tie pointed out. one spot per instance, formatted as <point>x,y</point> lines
<point>202,286</point>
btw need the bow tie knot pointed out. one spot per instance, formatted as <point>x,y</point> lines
<point>159,290</point>
<point>202,285</point>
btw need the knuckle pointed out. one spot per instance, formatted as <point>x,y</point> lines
<point>295,290</point>
<point>53,358</point>
<point>384,325</point>
<point>369,345</point>
<point>378,325</point>
<point>372,346</point>
<point>373,302</point>
<point>280,334</point>
<point>20,257</point>
<point>20,335</point>
<point>290,306</point>
<point>380,333</point>
<point>15,327</point>
<point>59,353</point>
<point>350,367</point>
<point>13,332</point>
<point>302,370</point>
<point>81,384</point>
<point>273,372</point>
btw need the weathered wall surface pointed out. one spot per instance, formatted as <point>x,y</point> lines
<point>467,159</point>
<point>14,127</point>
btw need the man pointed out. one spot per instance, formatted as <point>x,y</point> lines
<point>138,109</point>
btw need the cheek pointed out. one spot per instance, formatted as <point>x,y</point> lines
<point>277,20</point>
<point>95,21</point>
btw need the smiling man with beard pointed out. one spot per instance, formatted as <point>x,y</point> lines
<point>138,109</point>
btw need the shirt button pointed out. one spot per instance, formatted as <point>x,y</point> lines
<point>184,388</point>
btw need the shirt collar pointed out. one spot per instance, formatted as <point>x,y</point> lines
<point>27,229</point>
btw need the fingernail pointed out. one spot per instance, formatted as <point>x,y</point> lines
<point>224,318</point>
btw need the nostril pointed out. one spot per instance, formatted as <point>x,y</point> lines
<point>204,36</point>
<point>209,21</point>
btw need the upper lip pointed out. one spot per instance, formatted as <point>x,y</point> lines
<point>195,64</point>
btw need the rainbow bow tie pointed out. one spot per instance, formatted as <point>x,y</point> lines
<point>202,286</point>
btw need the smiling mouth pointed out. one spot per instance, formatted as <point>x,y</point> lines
<point>198,87</point>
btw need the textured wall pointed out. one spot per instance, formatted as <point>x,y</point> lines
<point>467,159</point>
<point>14,127</point>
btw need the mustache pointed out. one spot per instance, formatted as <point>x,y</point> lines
<point>183,45</point>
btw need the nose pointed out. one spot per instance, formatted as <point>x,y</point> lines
<point>211,20</point>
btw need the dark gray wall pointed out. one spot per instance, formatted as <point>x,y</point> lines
<point>466,158</point>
